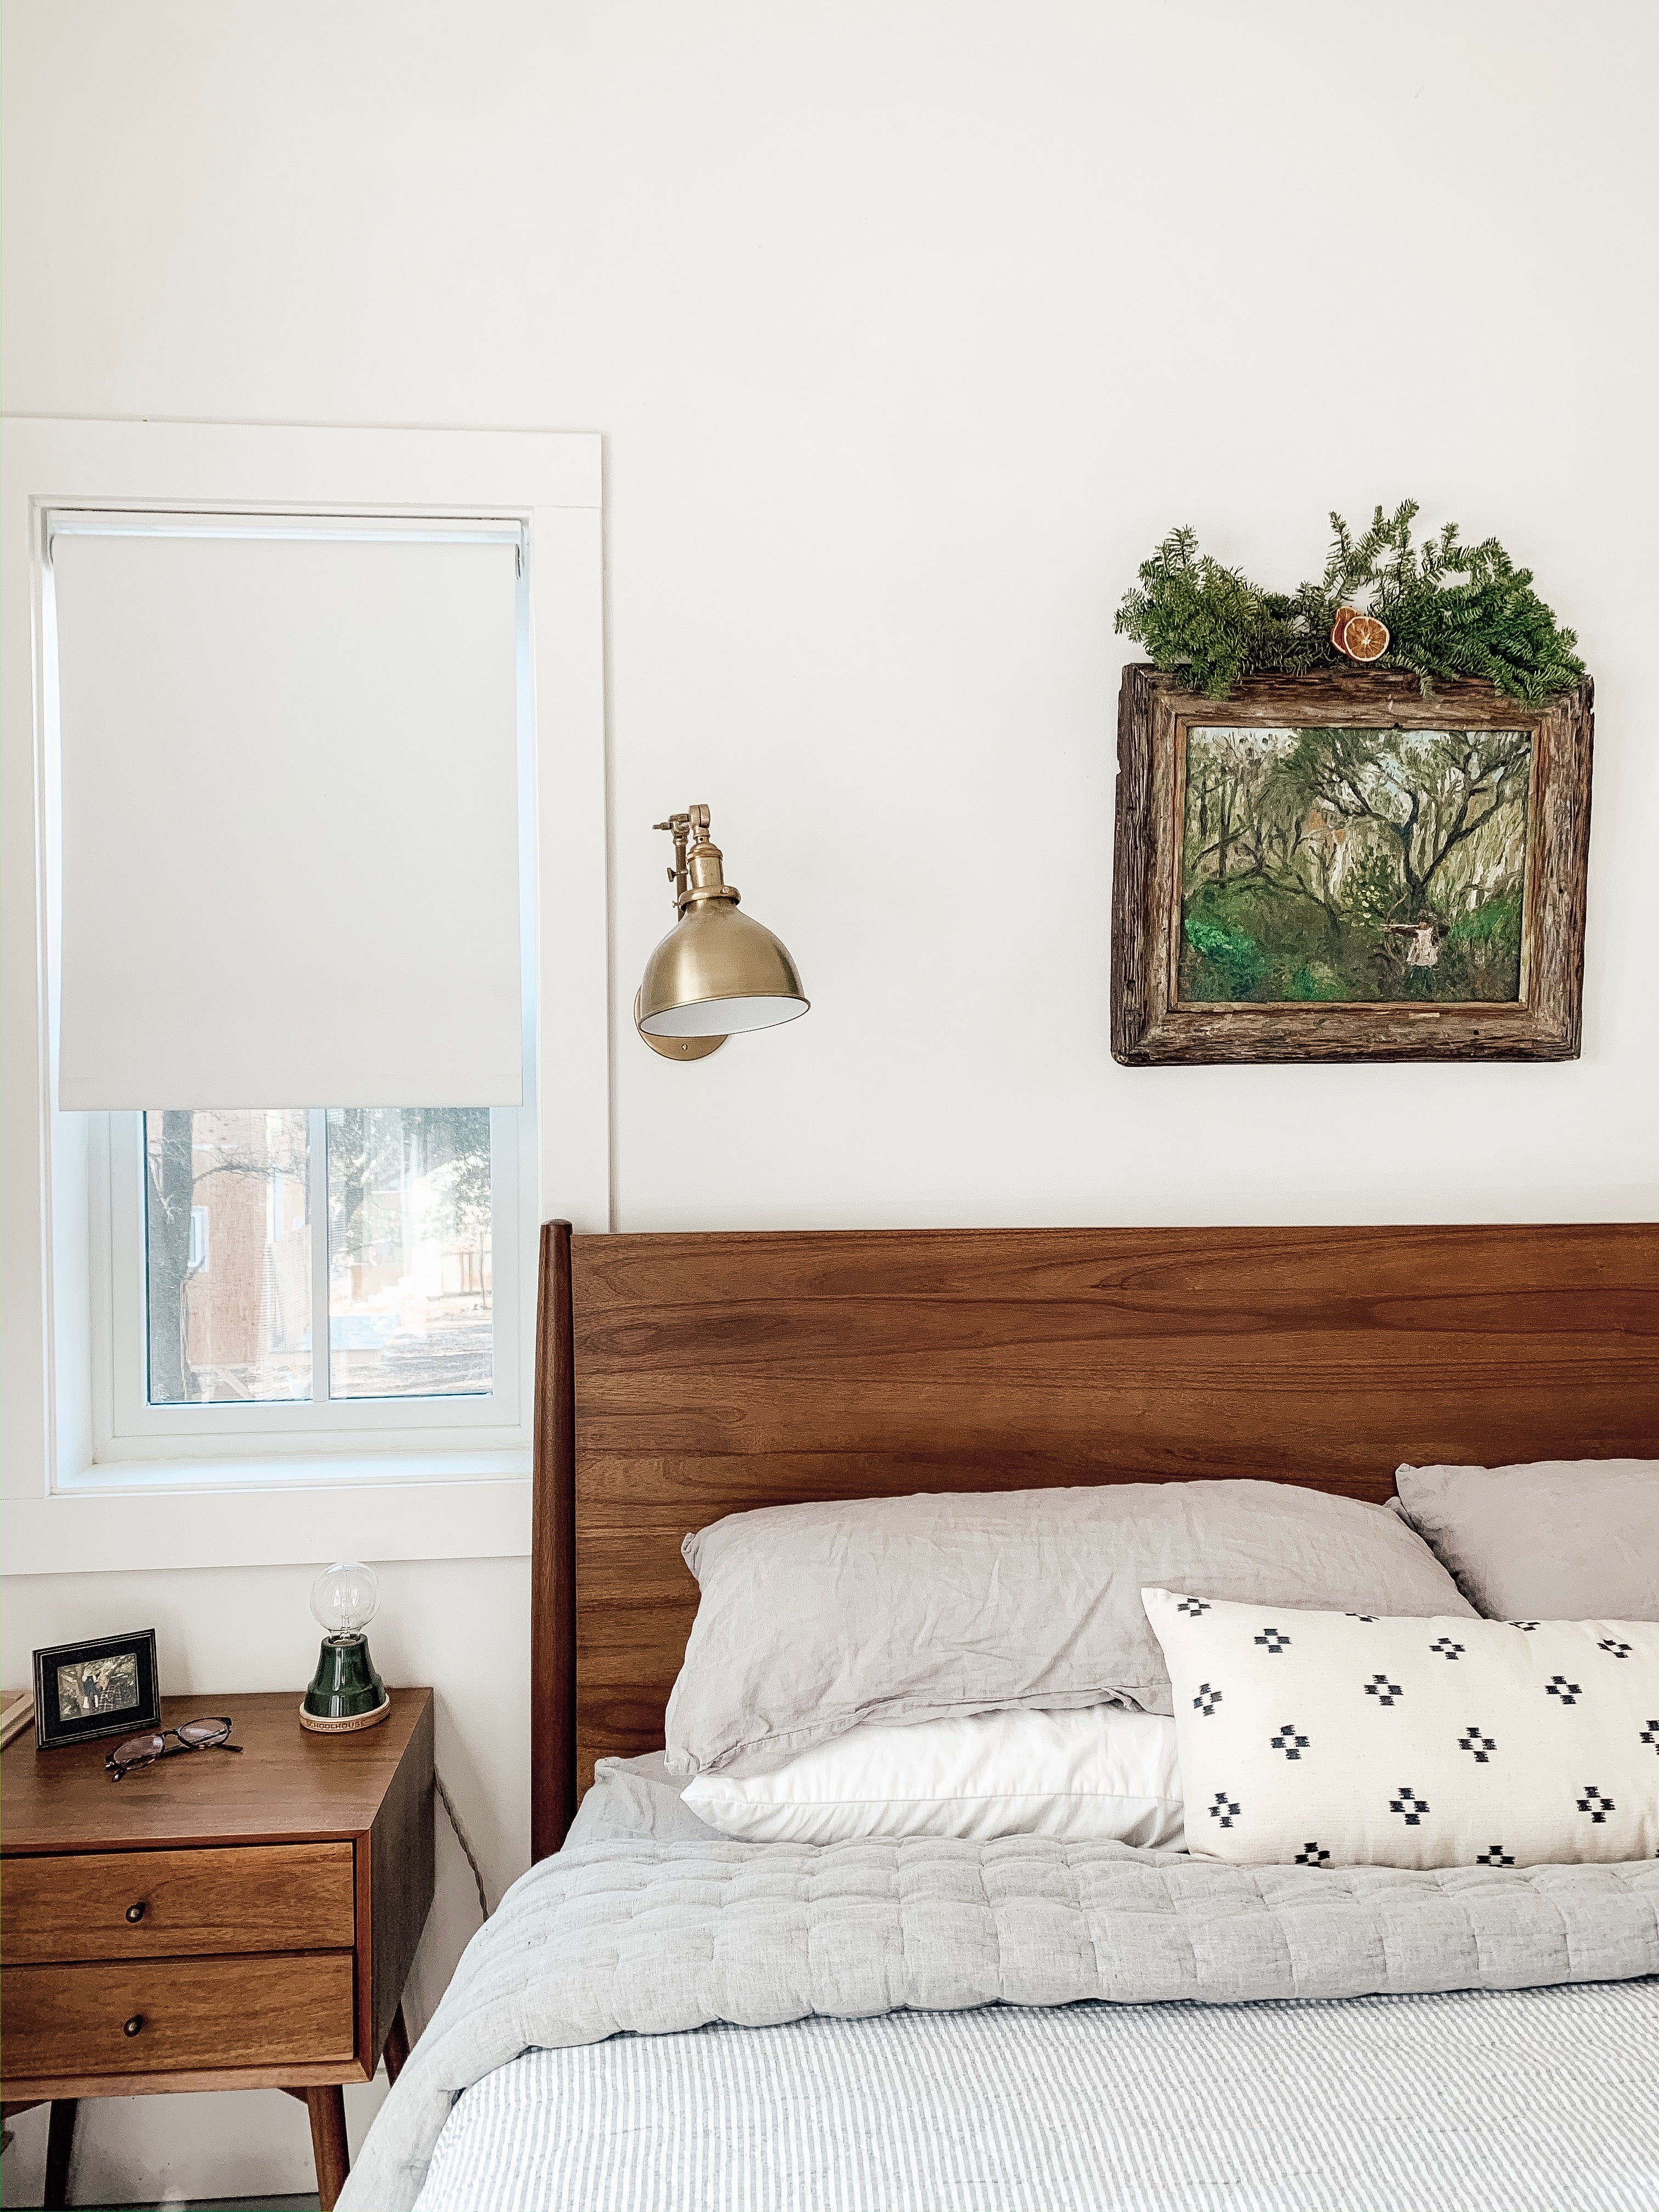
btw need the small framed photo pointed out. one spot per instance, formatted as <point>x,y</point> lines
<point>103,1685</point>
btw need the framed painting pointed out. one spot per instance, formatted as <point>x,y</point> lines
<point>1333,867</point>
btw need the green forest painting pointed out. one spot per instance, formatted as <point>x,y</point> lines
<point>1353,865</point>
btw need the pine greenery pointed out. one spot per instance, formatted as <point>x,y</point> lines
<point>1451,609</point>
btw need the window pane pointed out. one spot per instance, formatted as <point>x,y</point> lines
<point>408,1252</point>
<point>228,1256</point>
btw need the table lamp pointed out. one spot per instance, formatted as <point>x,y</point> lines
<point>346,1694</point>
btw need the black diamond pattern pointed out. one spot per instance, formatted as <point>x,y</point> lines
<point>1650,1734</point>
<point>1559,1686</point>
<point>1482,1746</point>
<point>1194,1606</point>
<point>1597,1804</point>
<point>1527,1625</point>
<point>1410,1806</point>
<point>1362,1616</point>
<point>1311,1854</point>
<point>1207,1700</point>
<point>1383,1690</point>
<point>1288,1741</point>
<point>1444,1648</point>
<point>1619,1650</point>
<point>1494,1855</point>
<point>1224,1808</point>
<point>1274,1641</point>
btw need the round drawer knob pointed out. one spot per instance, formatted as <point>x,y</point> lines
<point>131,2026</point>
<point>135,1913</point>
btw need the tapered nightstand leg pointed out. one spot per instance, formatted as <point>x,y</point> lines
<point>328,2142</point>
<point>397,2045</point>
<point>60,2142</point>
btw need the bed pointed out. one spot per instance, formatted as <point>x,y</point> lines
<point>659,2016</point>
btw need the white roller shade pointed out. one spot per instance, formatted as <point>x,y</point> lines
<point>289,809</point>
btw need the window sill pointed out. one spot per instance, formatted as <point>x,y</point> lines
<point>290,1471</point>
<point>145,1515</point>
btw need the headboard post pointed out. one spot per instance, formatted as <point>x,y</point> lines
<point>553,1556</point>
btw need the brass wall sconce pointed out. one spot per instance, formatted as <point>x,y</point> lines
<point>717,971</point>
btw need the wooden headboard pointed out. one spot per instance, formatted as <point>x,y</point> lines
<point>682,1378</point>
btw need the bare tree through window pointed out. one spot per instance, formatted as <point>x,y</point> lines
<point>237,1326</point>
<point>234,1291</point>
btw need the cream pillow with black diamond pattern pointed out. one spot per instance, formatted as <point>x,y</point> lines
<point>1336,1739</point>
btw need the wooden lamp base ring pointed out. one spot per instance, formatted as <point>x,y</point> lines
<point>349,1726</point>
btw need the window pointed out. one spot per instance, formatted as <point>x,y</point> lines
<point>196,957</point>
<point>409,1253</point>
<point>276,1274</point>
<point>239,1332</point>
<point>403,1271</point>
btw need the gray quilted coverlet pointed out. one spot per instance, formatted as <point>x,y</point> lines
<point>652,1937</point>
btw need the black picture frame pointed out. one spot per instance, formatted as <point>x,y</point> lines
<point>54,1728</point>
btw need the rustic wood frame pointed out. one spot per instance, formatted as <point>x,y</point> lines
<point>682,1378</point>
<point>1150,1025</point>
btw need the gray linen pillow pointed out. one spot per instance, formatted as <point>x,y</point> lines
<point>1561,1539</point>
<point>815,1618</point>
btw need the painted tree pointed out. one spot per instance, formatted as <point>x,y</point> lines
<point>1225,780</point>
<point>1429,794</point>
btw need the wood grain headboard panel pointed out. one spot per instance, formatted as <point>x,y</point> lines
<point>683,1377</point>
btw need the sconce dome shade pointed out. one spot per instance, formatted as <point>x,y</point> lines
<point>716,972</point>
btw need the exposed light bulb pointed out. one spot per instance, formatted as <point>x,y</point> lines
<point>344,1597</point>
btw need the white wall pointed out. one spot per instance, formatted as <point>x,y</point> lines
<point>911,325</point>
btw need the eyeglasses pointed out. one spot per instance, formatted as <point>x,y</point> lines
<point>145,1750</point>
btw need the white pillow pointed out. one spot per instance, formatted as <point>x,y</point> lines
<point>1338,1738</point>
<point>1100,1775</point>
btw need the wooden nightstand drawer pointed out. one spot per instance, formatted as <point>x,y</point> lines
<point>191,2014</point>
<point>283,1897</point>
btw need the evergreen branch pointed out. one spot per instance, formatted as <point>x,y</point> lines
<point>1451,610</point>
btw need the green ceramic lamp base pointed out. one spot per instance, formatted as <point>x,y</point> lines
<point>345,1685</point>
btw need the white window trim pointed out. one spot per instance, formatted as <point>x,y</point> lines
<point>66,1512</point>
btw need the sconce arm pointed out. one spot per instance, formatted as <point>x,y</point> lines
<point>679,828</point>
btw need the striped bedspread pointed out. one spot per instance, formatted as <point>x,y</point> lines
<point>1480,2100</point>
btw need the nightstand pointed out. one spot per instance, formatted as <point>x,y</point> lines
<point>214,1922</point>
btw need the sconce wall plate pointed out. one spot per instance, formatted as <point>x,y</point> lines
<point>717,971</point>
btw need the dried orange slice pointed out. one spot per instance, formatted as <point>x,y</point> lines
<point>1363,638</point>
<point>1344,617</point>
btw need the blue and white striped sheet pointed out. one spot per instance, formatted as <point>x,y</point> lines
<point>1479,2101</point>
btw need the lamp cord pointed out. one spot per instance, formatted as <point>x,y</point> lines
<point>460,1837</point>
